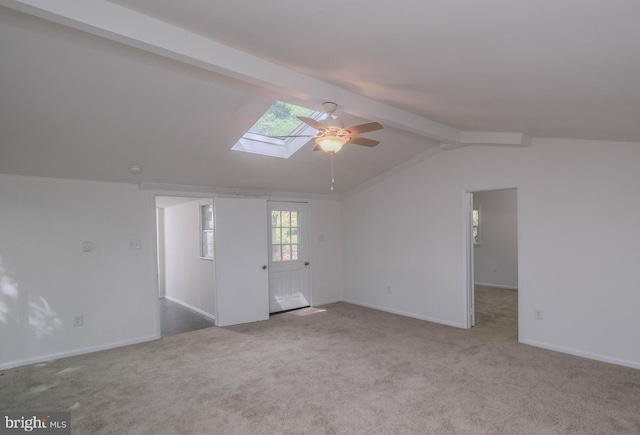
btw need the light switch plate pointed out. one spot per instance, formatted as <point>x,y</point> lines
<point>135,244</point>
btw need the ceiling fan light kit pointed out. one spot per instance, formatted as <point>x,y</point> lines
<point>331,144</point>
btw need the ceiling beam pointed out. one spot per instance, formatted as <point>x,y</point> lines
<point>475,138</point>
<point>117,23</point>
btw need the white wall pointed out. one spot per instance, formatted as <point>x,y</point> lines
<point>578,237</point>
<point>189,279</point>
<point>326,251</point>
<point>496,257</point>
<point>45,278</point>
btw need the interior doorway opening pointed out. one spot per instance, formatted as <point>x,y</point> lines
<point>491,250</point>
<point>186,288</point>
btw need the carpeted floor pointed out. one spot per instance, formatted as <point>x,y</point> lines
<point>346,370</point>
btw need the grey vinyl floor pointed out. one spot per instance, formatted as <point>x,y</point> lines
<point>177,319</point>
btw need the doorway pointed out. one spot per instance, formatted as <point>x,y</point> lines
<point>185,270</point>
<point>288,238</point>
<point>491,229</point>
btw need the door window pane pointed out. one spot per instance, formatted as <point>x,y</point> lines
<point>284,235</point>
<point>276,253</point>
<point>275,218</point>
<point>286,252</point>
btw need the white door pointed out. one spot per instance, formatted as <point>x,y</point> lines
<point>242,280</point>
<point>289,277</point>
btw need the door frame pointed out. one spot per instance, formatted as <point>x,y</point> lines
<point>468,253</point>
<point>159,250</point>
<point>306,235</point>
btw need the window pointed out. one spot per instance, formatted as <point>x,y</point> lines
<point>285,244</point>
<point>279,120</point>
<point>476,225</point>
<point>206,231</point>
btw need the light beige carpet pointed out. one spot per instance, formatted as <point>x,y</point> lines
<point>346,370</point>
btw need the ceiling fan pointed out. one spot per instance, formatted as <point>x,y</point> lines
<point>332,134</point>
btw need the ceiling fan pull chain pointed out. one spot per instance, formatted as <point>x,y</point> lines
<point>332,178</point>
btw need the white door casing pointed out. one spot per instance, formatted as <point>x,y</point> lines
<point>242,280</point>
<point>289,259</point>
<point>469,245</point>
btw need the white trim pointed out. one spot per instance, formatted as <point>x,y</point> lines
<point>509,287</point>
<point>327,302</point>
<point>467,260</point>
<point>407,314</point>
<point>162,189</point>
<point>59,355</point>
<point>489,138</point>
<point>192,308</point>
<point>582,354</point>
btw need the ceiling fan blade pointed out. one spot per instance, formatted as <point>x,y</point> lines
<point>312,123</point>
<point>363,128</point>
<point>363,141</point>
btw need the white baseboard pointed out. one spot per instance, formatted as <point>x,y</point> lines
<point>59,355</point>
<point>197,310</point>
<point>580,353</point>
<point>486,284</point>
<point>407,314</point>
<point>327,302</point>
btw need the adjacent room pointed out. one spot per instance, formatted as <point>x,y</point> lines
<point>409,218</point>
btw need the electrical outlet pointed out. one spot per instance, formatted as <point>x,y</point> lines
<point>135,244</point>
<point>87,246</point>
<point>537,314</point>
<point>77,320</point>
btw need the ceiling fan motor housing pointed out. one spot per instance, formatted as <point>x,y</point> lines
<point>332,123</point>
<point>329,107</point>
<point>330,120</point>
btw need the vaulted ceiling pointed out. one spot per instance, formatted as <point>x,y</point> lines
<point>88,88</point>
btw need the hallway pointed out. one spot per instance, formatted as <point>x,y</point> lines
<point>177,319</point>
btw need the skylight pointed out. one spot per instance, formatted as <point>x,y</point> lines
<point>279,120</point>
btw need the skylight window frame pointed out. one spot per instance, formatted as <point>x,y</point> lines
<point>256,143</point>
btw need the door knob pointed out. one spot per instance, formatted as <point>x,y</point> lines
<point>306,263</point>
<point>264,267</point>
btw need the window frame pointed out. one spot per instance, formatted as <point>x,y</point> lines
<point>255,143</point>
<point>474,226</point>
<point>204,252</point>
